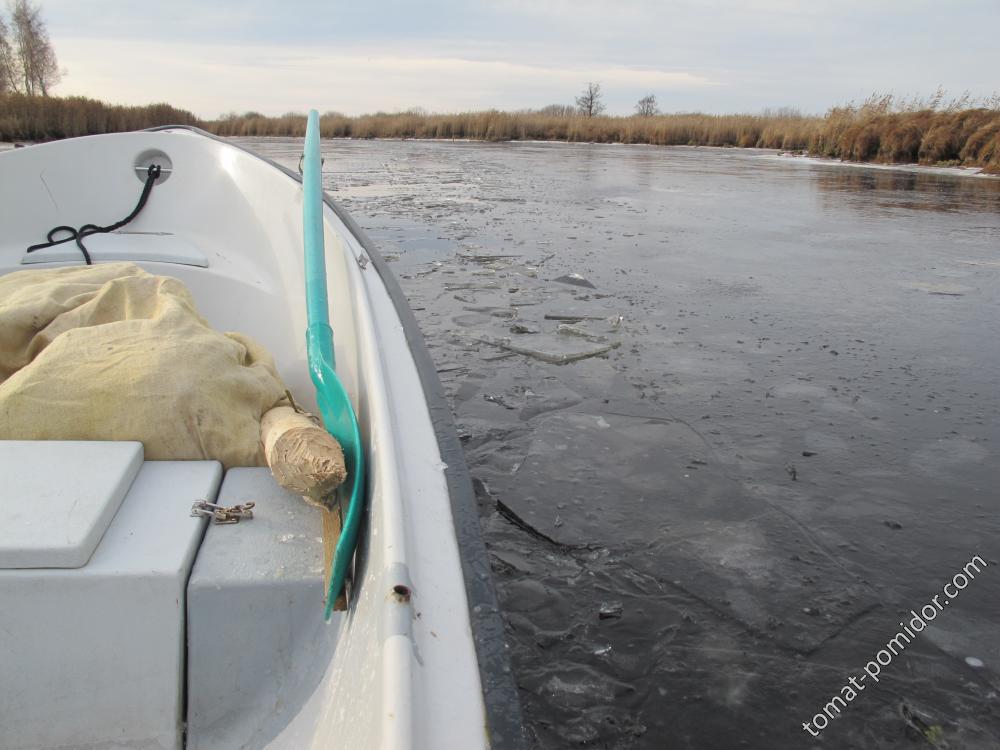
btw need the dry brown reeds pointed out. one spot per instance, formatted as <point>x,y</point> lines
<point>770,131</point>
<point>881,129</point>
<point>42,118</point>
<point>925,131</point>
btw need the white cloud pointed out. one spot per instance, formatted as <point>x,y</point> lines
<point>211,79</point>
<point>448,55</point>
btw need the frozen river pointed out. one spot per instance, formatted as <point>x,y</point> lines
<point>719,466</point>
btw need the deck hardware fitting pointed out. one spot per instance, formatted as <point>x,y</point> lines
<point>221,514</point>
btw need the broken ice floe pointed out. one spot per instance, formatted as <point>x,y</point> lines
<point>554,353</point>
<point>575,279</point>
<point>567,329</point>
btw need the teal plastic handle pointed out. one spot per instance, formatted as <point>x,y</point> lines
<point>334,405</point>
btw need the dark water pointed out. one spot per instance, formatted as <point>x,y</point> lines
<point>700,534</point>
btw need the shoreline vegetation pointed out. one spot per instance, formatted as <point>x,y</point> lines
<point>881,130</point>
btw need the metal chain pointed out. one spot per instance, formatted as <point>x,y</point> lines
<point>220,513</point>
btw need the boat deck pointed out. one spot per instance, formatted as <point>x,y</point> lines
<point>259,667</point>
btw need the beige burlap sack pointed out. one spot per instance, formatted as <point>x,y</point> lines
<point>110,352</point>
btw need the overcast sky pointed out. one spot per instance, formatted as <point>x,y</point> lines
<point>215,56</point>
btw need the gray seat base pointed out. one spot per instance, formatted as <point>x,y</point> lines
<point>94,656</point>
<point>257,643</point>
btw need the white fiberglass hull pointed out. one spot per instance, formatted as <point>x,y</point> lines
<point>417,660</point>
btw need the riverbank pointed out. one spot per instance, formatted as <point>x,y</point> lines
<point>873,132</point>
<point>952,170</point>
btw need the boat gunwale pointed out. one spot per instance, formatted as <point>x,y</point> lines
<point>505,724</point>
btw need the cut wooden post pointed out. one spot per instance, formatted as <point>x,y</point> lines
<point>304,458</point>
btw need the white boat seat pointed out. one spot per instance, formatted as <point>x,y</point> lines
<point>93,656</point>
<point>58,498</point>
<point>159,247</point>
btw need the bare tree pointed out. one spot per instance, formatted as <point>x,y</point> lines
<point>646,107</point>
<point>27,60</point>
<point>589,102</point>
<point>10,64</point>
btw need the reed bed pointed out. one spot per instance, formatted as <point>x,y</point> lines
<point>925,132</point>
<point>881,129</point>
<point>767,131</point>
<point>45,118</point>
<point>875,131</point>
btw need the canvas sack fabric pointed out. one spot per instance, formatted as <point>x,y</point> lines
<point>111,352</point>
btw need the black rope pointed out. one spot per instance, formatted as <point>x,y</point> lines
<point>88,229</point>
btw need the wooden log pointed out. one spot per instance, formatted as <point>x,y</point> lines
<point>304,458</point>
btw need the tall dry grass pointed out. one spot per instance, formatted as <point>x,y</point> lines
<point>883,129</point>
<point>766,130</point>
<point>880,129</point>
<point>43,118</point>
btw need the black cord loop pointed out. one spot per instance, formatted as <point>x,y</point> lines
<point>88,229</point>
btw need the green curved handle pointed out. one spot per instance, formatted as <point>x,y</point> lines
<point>334,405</point>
